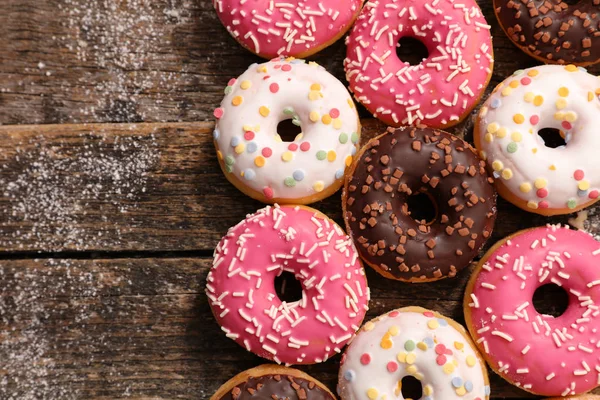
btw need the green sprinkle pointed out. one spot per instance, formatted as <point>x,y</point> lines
<point>288,111</point>
<point>343,138</point>
<point>518,72</point>
<point>572,203</point>
<point>229,168</point>
<point>296,121</point>
<point>512,147</point>
<point>354,137</point>
<point>228,89</point>
<point>289,182</point>
<point>321,155</point>
<point>229,160</point>
<point>409,345</point>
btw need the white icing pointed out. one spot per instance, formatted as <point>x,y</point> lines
<point>307,173</point>
<point>357,381</point>
<point>531,159</point>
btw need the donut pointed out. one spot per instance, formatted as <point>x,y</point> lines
<point>251,153</point>
<point>529,174</point>
<point>404,162</point>
<point>553,31</point>
<point>302,241</point>
<point>441,90</point>
<point>271,381</point>
<point>542,354</point>
<point>584,397</point>
<point>412,341</point>
<point>300,28</point>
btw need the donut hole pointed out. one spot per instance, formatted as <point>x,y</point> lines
<point>551,299</point>
<point>411,388</point>
<point>422,208</point>
<point>288,288</point>
<point>287,130</point>
<point>411,50</point>
<point>552,137</point>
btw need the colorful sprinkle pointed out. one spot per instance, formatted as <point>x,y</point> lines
<point>245,85</point>
<point>264,111</point>
<point>372,393</point>
<point>349,375</point>
<point>268,192</point>
<point>392,366</point>
<point>507,173</point>
<point>267,152</point>
<point>321,155</point>
<point>563,91</point>
<point>259,161</point>
<point>287,156</point>
<point>432,324</point>
<point>572,203</point>
<point>540,183</point>
<point>249,174</point>
<point>298,175</point>
<point>409,345</point>
<point>305,146</point>
<point>354,137</point>
<point>289,182</point>
<point>519,118</point>
<point>538,101</point>
<point>516,136</point>
<point>512,147</point>
<point>274,87</point>
<point>218,113</point>
<point>471,361</point>
<point>314,116</point>
<point>365,359</point>
<point>318,186</point>
<point>326,119</point>
<point>331,156</point>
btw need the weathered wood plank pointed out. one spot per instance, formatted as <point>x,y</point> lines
<point>72,61</point>
<point>142,328</point>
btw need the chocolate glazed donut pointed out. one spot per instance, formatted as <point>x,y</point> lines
<point>553,31</point>
<point>403,162</point>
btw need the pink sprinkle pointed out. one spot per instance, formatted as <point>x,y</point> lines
<point>525,81</point>
<point>392,366</point>
<point>274,87</point>
<point>365,359</point>
<point>268,192</point>
<point>541,193</point>
<point>440,349</point>
<point>593,194</point>
<point>567,125</point>
<point>218,113</point>
<point>267,152</point>
<point>277,66</point>
<point>534,119</point>
<point>305,146</point>
<point>286,67</point>
<point>266,77</point>
<point>231,82</point>
<point>394,314</point>
<point>440,360</point>
<point>428,314</point>
<point>293,147</point>
<point>543,204</point>
<point>249,135</point>
<point>578,175</point>
<point>334,113</point>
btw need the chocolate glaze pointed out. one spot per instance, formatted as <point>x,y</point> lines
<point>404,162</point>
<point>552,29</point>
<point>277,387</point>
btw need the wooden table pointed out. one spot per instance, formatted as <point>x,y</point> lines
<point>111,200</point>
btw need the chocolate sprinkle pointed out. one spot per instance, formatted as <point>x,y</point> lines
<point>273,387</point>
<point>414,250</point>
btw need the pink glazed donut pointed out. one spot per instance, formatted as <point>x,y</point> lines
<point>321,256</point>
<point>294,28</point>
<point>545,355</point>
<point>441,90</point>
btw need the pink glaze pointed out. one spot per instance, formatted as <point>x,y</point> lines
<point>540,353</point>
<point>294,28</point>
<point>303,241</point>
<point>445,86</point>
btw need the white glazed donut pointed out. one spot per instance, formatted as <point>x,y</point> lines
<point>252,154</point>
<point>532,176</point>
<point>412,341</point>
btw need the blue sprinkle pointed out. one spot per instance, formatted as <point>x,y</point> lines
<point>487,390</point>
<point>349,375</point>
<point>442,322</point>
<point>216,134</point>
<point>495,103</point>
<point>428,398</point>
<point>429,342</point>
<point>582,193</point>
<point>298,175</point>
<point>251,147</point>
<point>339,173</point>
<point>469,386</point>
<point>457,382</point>
<point>249,174</point>
<point>353,151</point>
<point>582,69</point>
<point>235,141</point>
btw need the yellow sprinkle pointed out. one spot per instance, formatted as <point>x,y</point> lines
<point>483,155</point>
<point>299,137</point>
<point>506,91</point>
<point>471,361</point>
<point>411,369</point>
<point>538,100</point>
<point>498,165</point>
<point>483,112</point>
<point>337,123</point>
<point>262,69</point>
<point>315,87</point>
<point>219,154</point>
<point>501,132</point>
<point>386,344</point>
<point>489,138</point>
<point>529,96</point>
<point>247,128</point>
<point>427,390</point>
<point>259,161</point>
<point>519,118</point>
<point>563,92</point>
<point>393,330</point>
<point>514,84</point>
<point>461,391</point>
<point>507,173</point>
<point>290,58</point>
<point>313,95</point>
<point>326,119</point>
<point>245,85</point>
<point>448,368</point>
<point>257,128</point>
<point>348,161</point>
<point>455,362</point>
<point>419,376</point>
<point>411,358</point>
<point>398,388</point>
<point>532,204</point>
<point>540,183</point>
<point>525,187</point>
<point>372,393</point>
<point>552,167</point>
<point>401,357</point>
<point>590,96</point>
<point>422,346</point>
<point>264,111</point>
<point>287,156</point>
<point>561,103</point>
<point>314,116</point>
<point>459,345</point>
<point>331,156</point>
<point>318,186</point>
<point>237,100</point>
<point>350,103</point>
<point>516,136</point>
<point>598,91</point>
<point>559,116</point>
<point>534,150</point>
<point>571,116</point>
<point>532,73</point>
<point>584,185</point>
<point>571,68</point>
<point>432,323</point>
<point>369,326</point>
<point>493,127</point>
<point>239,149</point>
